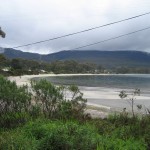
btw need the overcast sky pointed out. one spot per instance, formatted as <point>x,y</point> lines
<point>27,21</point>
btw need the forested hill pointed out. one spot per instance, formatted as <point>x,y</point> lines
<point>12,53</point>
<point>105,58</point>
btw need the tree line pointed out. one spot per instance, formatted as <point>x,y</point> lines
<point>20,66</point>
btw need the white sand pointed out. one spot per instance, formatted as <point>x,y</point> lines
<point>97,96</point>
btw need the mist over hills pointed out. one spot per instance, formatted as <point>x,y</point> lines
<point>105,58</point>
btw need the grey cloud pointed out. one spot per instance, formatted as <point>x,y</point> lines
<point>30,21</point>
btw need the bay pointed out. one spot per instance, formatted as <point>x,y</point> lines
<point>128,81</point>
<point>103,90</point>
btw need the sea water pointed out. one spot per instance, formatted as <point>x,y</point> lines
<point>127,81</point>
<point>104,89</point>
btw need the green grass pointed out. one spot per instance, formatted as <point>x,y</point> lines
<point>44,134</point>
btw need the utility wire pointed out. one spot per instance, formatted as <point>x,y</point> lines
<point>74,33</point>
<point>113,38</point>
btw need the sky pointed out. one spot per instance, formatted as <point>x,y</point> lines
<point>27,21</point>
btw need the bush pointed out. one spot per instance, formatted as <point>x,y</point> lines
<point>14,102</point>
<point>15,119</point>
<point>55,104</point>
<point>110,143</point>
<point>57,135</point>
<point>15,140</point>
<point>60,135</point>
<point>73,106</point>
<point>12,97</point>
<point>48,95</point>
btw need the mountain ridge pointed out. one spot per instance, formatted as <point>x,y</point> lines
<point>105,58</point>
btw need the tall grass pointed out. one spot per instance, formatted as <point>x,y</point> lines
<point>68,135</point>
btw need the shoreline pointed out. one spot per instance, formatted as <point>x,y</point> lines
<point>25,80</point>
<point>95,110</point>
<point>98,97</point>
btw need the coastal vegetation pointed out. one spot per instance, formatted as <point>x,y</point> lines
<point>18,66</point>
<point>116,59</point>
<point>22,66</point>
<point>49,117</point>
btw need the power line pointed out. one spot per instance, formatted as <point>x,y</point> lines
<point>74,33</point>
<point>113,38</point>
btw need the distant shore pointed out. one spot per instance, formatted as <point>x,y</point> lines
<point>24,79</point>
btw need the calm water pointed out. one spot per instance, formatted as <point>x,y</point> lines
<point>108,81</point>
<point>104,89</point>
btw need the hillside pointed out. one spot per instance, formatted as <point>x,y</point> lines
<point>105,58</point>
<point>12,53</point>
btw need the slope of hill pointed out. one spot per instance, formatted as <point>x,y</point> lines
<point>12,53</point>
<point>105,58</point>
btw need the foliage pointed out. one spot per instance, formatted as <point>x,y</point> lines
<point>2,33</point>
<point>130,98</point>
<point>55,120</point>
<point>14,101</point>
<point>71,66</point>
<point>48,95</point>
<point>69,135</point>
<point>119,144</point>
<point>74,106</point>
<point>15,64</point>
<point>15,140</point>
<point>47,99</point>
<point>2,60</point>
<point>12,97</point>
<point>59,135</point>
<point>20,66</point>
<point>54,103</point>
<point>126,70</point>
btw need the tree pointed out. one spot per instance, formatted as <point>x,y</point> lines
<point>2,33</point>
<point>15,64</point>
<point>130,98</point>
<point>48,95</point>
<point>2,60</point>
<point>54,101</point>
<point>14,103</point>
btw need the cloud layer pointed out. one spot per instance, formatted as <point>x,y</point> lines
<point>27,21</point>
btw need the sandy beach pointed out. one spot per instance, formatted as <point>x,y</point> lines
<point>25,80</point>
<point>97,97</point>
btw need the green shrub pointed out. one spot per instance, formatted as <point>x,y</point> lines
<point>15,140</point>
<point>14,102</point>
<point>57,135</point>
<point>35,111</point>
<point>74,106</point>
<point>109,143</point>
<point>12,97</point>
<point>48,95</point>
<point>69,135</point>
<point>122,119</point>
<point>14,119</point>
<point>55,104</point>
